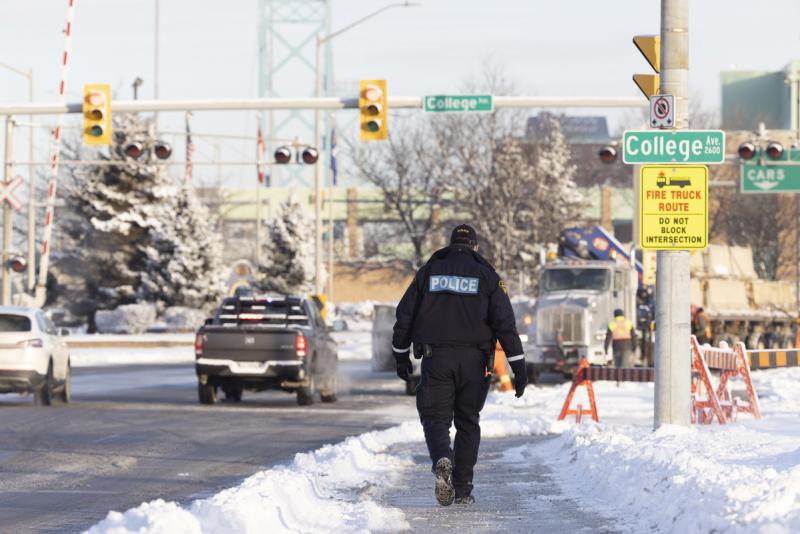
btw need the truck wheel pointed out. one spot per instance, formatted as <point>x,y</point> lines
<point>207,393</point>
<point>43,396</point>
<point>327,390</point>
<point>233,393</point>
<point>305,395</point>
<point>411,386</point>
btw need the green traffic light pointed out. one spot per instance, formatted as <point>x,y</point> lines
<point>96,130</point>
<point>373,126</point>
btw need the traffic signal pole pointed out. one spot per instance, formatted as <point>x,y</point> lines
<point>7,235</point>
<point>672,359</point>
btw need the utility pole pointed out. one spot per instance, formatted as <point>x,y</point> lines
<point>155,62</point>
<point>672,361</point>
<point>7,235</point>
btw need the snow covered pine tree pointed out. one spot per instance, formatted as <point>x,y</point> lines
<point>132,235</point>
<point>287,263</point>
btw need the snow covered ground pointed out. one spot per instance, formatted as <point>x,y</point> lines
<point>743,477</point>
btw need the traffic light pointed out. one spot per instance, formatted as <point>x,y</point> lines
<point>650,47</point>
<point>283,155</point>
<point>774,150</point>
<point>372,108</point>
<point>97,114</point>
<point>309,155</point>
<point>608,154</point>
<point>747,150</point>
<point>18,264</point>
<point>162,149</point>
<point>134,149</point>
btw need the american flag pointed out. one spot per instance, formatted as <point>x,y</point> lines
<point>189,150</point>
<point>334,169</point>
<point>260,167</point>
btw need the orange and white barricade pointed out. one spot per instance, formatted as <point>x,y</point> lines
<point>585,374</point>
<point>709,402</point>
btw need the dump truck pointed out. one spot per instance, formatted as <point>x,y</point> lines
<point>742,307</point>
<point>578,292</point>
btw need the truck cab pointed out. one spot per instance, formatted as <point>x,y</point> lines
<point>576,302</point>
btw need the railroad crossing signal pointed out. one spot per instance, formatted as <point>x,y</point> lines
<point>650,47</point>
<point>372,107</point>
<point>97,114</point>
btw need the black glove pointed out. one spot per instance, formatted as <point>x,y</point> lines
<point>520,376</point>
<point>404,367</point>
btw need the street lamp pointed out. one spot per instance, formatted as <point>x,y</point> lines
<point>31,183</point>
<point>318,140</point>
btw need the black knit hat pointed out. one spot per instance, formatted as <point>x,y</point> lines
<point>464,234</point>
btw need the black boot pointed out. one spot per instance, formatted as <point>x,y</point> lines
<point>445,493</point>
<point>464,499</point>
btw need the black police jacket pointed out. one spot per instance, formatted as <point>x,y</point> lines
<point>456,298</point>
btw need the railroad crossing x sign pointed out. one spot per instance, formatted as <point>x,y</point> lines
<point>7,193</point>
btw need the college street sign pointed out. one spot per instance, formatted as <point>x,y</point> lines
<point>457,103</point>
<point>671,147</point>
<point>673,208</point>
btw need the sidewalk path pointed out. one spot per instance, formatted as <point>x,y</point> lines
<point>514,492</point>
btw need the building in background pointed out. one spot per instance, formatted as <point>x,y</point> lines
<point>753,97</point>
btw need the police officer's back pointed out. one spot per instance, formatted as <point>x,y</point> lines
<point>453,311</point>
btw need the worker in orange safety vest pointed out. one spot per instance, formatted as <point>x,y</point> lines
<point>621,335</point>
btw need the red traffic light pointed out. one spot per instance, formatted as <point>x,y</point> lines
<point>747,150</point>
<point>96,98</point>
<point>283,155</point>
<point>17,264</point>
<point>162,150</point>
<point>608,154</point>
<point>133,149</point>
<point>309,155</point>
<point>774,150</point>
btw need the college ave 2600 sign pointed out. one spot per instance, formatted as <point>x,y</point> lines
<point>673,209</point>
<point>673,146</point>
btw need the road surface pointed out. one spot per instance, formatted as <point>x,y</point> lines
<point>136,433</point>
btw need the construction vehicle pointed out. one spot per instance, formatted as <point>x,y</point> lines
<point>579,290</point>
<point>741,307</point>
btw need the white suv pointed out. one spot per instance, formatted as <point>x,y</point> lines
<point>33,358</point>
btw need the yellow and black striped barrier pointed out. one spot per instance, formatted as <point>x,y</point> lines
<point>621,374</point>
<point>771,359</point>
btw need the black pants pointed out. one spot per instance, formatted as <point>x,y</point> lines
<point>453,386</point>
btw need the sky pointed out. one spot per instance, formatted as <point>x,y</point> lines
<point>208,49</point>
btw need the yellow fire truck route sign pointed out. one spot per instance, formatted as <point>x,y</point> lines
<point>673,208</point>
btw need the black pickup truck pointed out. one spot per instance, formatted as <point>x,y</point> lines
<point>266,342</point>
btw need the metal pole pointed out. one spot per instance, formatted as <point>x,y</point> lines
<point>31,198</point>
<point>257,255</point>
<point>318,172</point>
<point>330,236</point>
<point>7,170</point>
<point>673,363</point>
<point>155,65</point>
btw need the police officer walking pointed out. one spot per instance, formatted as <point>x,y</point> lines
<point>453,312</point>
<point>621,335</point>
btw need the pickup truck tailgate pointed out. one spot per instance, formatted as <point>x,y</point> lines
<point>249,345</point>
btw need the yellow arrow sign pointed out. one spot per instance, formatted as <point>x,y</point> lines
<point>647,83</point>
<point>650,47</point>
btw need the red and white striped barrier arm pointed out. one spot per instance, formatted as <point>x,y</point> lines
<point>52,186</point>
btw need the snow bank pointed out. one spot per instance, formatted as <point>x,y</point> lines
<point>327,490</point>
<point>742,477</point>
<point>88,357</point>
<point>317,492</point>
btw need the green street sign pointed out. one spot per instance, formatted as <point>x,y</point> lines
<point>673,147</point>
<point>774,178</point>
<point>457,103</point>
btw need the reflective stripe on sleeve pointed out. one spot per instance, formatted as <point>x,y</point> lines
<point>408,348</point>
<point>516,358</point>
